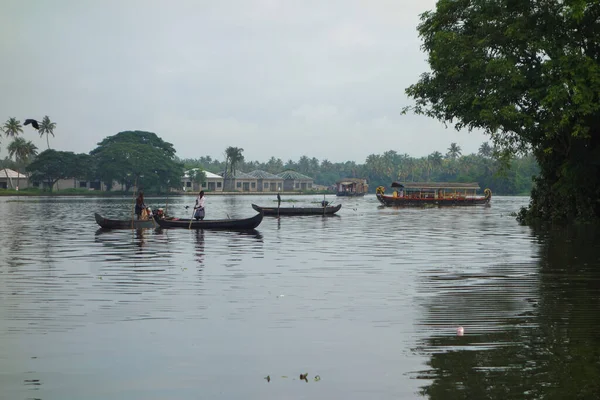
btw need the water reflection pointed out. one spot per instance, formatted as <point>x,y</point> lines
<point>199,237</point>
<point>528,333</point>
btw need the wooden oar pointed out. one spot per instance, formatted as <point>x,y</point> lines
<point>192,219</point>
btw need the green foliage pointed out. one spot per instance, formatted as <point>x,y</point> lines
<point>492,169</point>
<point>527,73</point>
<point>137,157</point>
<point>51,165</point>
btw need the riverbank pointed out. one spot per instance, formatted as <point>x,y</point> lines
<point>97,193</point>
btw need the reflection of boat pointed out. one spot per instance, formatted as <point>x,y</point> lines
<point>433,193</point>
<point>225,224</point>
<point>123,223</point>
<point>329,210</point>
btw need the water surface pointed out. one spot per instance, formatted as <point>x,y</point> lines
<point>369,300</point>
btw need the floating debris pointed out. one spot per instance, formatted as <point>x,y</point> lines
<point>304,377</point>
<point>460,331</point>
<point>317,378</point>
<point>268,378</point>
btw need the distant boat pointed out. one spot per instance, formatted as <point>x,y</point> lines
<point>352,187</point>
<point>328,210</point>
<point>433,193</point>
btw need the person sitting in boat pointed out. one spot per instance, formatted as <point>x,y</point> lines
<point>139,205</point>
<point>199,207</point>
<point>324,203</point>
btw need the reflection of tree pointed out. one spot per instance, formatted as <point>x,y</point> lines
<point>519,347</point>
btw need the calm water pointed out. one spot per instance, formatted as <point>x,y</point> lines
<point>369,300</point>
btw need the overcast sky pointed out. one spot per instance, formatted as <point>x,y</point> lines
<point>324,79</point>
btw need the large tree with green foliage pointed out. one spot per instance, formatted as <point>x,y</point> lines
<point>137,157</point>
<point>51,165</point>
<point>528,74</point>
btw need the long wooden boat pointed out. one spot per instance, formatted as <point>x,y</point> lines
<point>107,223</point>
<point>224,224</point>
<point>434,194</point>
<point>328,210</point>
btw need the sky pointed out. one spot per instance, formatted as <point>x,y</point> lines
<point>286,78</point>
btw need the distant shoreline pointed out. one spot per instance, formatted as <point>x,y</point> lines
<point>93,193</point>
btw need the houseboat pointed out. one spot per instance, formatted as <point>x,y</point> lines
<point>433,193</point>
<point>352,187</point>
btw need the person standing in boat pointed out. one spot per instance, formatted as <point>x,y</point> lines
<point>199,207</point>
<point>278,200</point>
<point>139,205</point>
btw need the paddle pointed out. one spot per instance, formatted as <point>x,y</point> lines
<point>191,219</point>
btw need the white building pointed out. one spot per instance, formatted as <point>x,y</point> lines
<point>8,176</point>
<point>213,182</point>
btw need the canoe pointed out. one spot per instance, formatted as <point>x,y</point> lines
<point>224,224</point>
<point>123,223</point>
<point>329,210</point>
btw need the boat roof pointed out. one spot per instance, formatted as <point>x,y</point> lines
<point>437,185</point>
<point>350,181</point>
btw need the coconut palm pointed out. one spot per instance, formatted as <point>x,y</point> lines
<point>47,128</point>
<point>22,150</point>
<point>485,150</point>
<point>454,151</point>
<point>234,155</point>
<point>12,128</point>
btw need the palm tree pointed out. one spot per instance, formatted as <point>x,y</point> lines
<point>12,128</point>
<point>485,150</point>
<point>454,151</point>
<point>234,155</point>
<point>47,128</point>
<point>22,150</point>
<point>436,159</point>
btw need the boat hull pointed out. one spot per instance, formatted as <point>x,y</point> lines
<point>288,211</point>
<point>391,201</point>
<point>350,194</point>
<point>215,224</point>
<point>107,223</point>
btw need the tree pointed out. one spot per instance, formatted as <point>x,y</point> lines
<point>234,156</point>
<point>22,150</point>
<point>527,73</point>
<point>485,150</point>
<point>454,151</point>
<point>12,128</point>
<point>137,157</point>
<point>436,159</point>
<point>47,128</point>
<point>197,175</point>
<point>51,165</point>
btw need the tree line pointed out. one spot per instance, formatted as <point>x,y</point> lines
<point>143,159</point>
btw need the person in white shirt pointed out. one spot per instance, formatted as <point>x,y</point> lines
<point>199,207</point>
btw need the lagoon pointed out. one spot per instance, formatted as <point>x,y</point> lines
<point>369,300</point>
